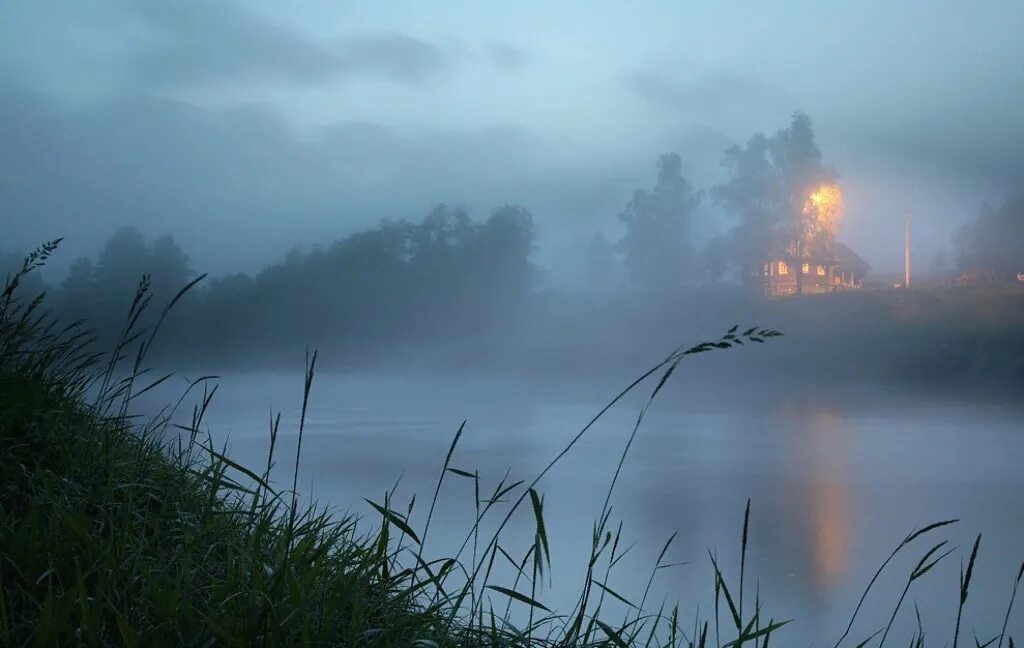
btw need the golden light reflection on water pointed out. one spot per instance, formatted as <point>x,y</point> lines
<point>828,498</point>
<point>831,550</point>
<point>823,494</point>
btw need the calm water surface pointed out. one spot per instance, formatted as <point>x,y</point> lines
<point>837,478</point>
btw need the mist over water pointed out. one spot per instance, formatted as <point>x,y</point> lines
<point>837,477</point>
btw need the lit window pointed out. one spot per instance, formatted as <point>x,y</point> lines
<point>766,269</point>
<point>783,268</point>
<point>805,268</point>
<point>821,271</point>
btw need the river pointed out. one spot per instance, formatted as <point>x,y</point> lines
<point>836,476</point>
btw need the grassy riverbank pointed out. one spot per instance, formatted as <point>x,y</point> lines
<point>115,530</point>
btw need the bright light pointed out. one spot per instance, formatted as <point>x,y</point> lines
<point>823,209</point>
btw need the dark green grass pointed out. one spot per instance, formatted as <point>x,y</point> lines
<point>116,531</point>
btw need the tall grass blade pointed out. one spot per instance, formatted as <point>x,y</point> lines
<point>522,598</point>
<point>1009,608</point>
<point>965,585</point>
<point>913,535</point>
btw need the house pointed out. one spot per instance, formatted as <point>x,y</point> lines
<point>850,269</point>
<point>842,269</point>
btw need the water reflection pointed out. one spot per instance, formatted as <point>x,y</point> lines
<point>828,496</point>
<point>831,533</point>
<point>811,488</point>
<point>832,484</point>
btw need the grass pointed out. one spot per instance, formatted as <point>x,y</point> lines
<point>118,531</point>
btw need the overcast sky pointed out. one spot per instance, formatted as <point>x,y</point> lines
<point>246,129</point>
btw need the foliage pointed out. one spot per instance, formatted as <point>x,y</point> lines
<point>993,245</point>
<point>656,245</point>
<point>768,188</point>
<point>438,279</point>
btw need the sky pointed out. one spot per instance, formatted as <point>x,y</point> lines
<point>248,128</point>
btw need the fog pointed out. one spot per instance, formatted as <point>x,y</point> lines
<point>504,214</point>
<point>244,129</point>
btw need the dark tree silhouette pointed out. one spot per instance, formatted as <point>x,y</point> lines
<point>445,277</point>
<point>122,262</point>
<point>767,189</point>
<point>992,246</point>
<point>716,256</point>
<point>168,265</point>
<point>656,245</point>
<point>78,287</point>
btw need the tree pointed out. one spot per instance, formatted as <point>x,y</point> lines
<point>225,315</point>
<point>785,198</point>
<point>79,287</point>
<point>810,202</point>
<point>168,266</point>
<point>121,263</point>
<point>715,257</point>
<point>501,260</point>
<point>447,275</point>
<point>656,245</point>
<point>126,257</point>
<point>754,194</point>
<point>993,244</point>
<point>444,277</point>
<point>80,276</point>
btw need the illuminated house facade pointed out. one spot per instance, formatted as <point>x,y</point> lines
<point>842,270</point>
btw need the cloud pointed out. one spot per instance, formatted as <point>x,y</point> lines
<point>505,56</point>
<point>708,96</point>
<point>989,153</point>
<point>393,56</point>
<point>237,186</point>
<point>194,42</point>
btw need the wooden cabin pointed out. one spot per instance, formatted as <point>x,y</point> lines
<point>841,270</point>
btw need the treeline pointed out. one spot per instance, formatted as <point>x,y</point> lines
<point>449,277</point>
<point>764,194</point>
<point>444,278</point>
<point>769,193</point>
<point>991,247</point>
<point>784,203</point>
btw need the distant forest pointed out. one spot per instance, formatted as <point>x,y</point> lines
<point>450,277</point>
<point>992,245</point>
<point>444,277</point>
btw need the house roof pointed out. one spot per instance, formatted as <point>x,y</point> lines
<point>848,260</point>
